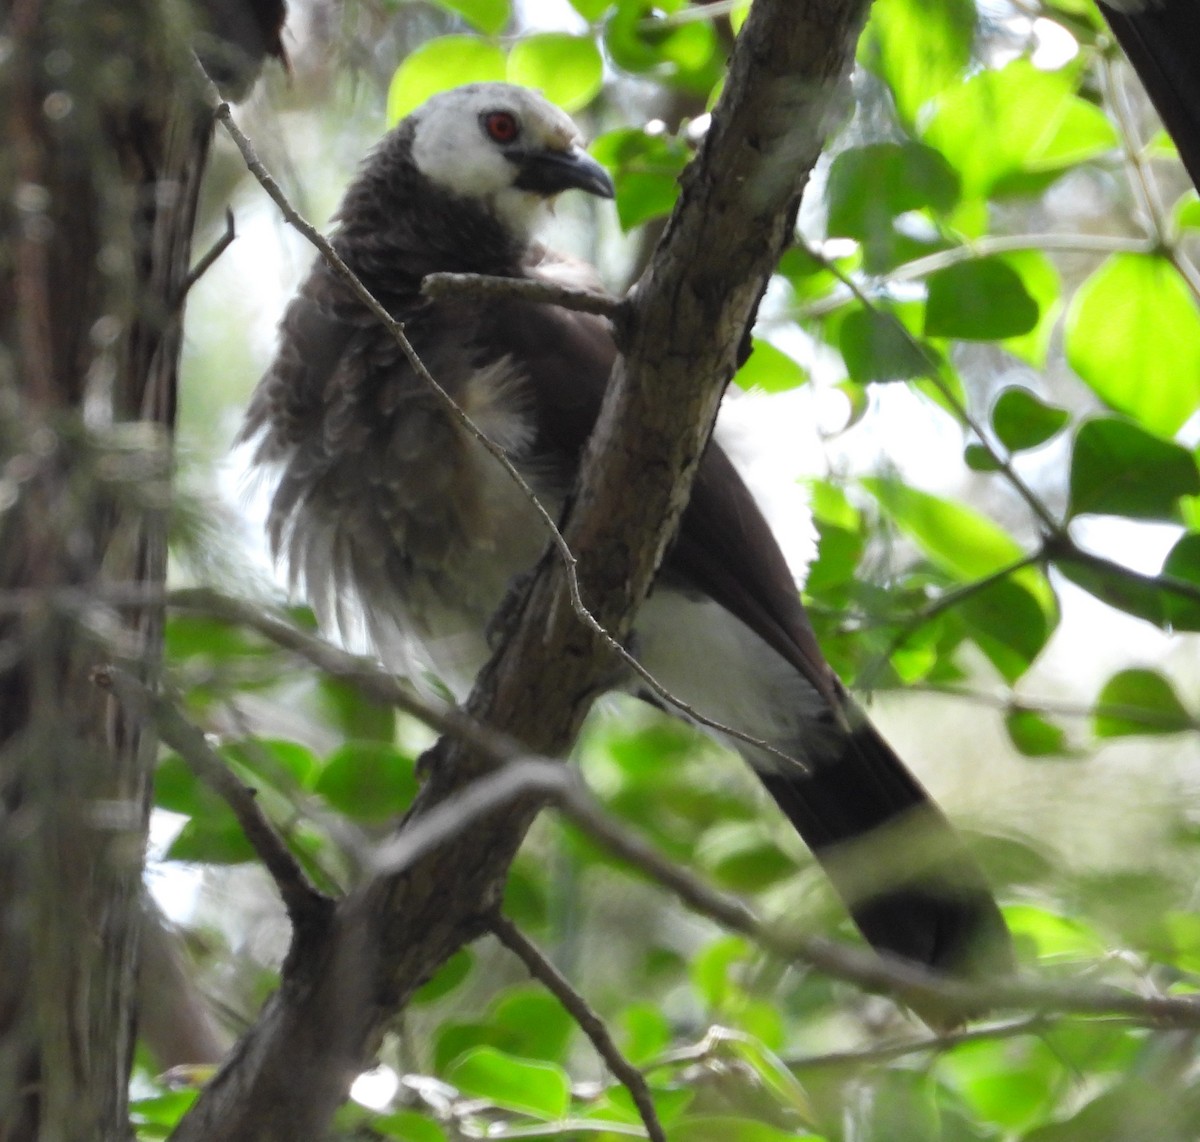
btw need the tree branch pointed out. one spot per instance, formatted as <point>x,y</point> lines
<point>485,287</point>
<point>681,334</point>
<point>591,1024</point>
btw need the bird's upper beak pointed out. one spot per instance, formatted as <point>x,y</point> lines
<point>547,172</point>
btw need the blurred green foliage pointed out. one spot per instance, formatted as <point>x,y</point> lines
<point>1064,352</point>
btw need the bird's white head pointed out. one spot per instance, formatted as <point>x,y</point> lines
<point>505,146</point>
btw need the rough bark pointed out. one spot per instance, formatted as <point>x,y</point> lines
<point>683,333</point>
<point>99,172</point>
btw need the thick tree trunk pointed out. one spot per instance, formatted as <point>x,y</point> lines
<point>99,172</point>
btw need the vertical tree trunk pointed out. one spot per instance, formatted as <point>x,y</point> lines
<point>102,155</point>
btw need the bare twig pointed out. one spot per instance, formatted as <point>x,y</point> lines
<point>934,373</point>
<point>948,600</point>
<point>206,262</point>
<point>591,1024</point>
<point>304,903</point>
<point>487,286</point>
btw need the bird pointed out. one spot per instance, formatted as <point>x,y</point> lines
<point>384,507</point>
<point>1161,39</point>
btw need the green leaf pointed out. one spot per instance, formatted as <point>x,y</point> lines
<point>1042,282</point>
<point>567,70</point>
<point>955,537</point>
<point>1018,119</point>
<point>1034,735</point>
<point>1020,420</point>
<point>1008,1083</point>
<point>452,973</point>
<point>371,781</point>
<point>742,859</point>
<point>870,186</point>
<point>487,16</point>
<point>877,348</point>
<point>730,1128</point>
<point>1183,564</point>
<point>645,1032</point>
<point>438,65</point>
<point>1055,937</point>
<point>353,713</point>
<point>1135,595</point>
<point>1120,469</point>
<point>215,838</point>
<point>533,1024</point>
<point>1187,212</point>
<point>919,47</point>
<point>1139,701</point>
<point>981,300</point>
<point>591,10</point>
<point>1009,623</point>
<point>407,1126</point>
<point>980,459</point>
<point>538,1089</point>
<point>645,169</point>
<point>770,370</point>
<point>711,969</point>
<point>639,40</point>
<point>1133,334</point>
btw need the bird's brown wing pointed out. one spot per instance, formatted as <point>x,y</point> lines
<point>724,548</point>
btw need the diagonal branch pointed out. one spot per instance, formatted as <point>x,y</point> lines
<point>592,1025</point>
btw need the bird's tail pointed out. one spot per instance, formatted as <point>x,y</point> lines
<point>905,873</point>
<point>1162,41</point>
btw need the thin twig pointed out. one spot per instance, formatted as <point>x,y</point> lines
<point>364,674</point>
<point>922,267</point>
<point>944,602</point>
<point>1009,703</point>
<point>1141,178</point>
<point>934,373</point>
<point>488,286</point>
<point>303,901</point>
<point>589,1022</point>
<point>222,112</point>
<point>206,263</point>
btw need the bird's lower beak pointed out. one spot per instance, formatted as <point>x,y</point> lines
<point>551,172</point>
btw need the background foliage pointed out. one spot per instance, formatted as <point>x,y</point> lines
<point>985,351</point>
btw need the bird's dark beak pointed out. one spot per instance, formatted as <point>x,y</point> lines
<point>548,172</point>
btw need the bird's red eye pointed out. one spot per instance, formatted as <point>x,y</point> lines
<point>501,126</point>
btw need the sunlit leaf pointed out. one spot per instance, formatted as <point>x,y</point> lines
<point>919,47</point>
<point>1133,334</point>
<point>1000,123</point>
<point>1138,701</point>
<point>438,65</point>
<point>487,16</point>
<point>567,70</point>
<point>1035,735</point>
<point>538,1089</point>
<point>770,370</point>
